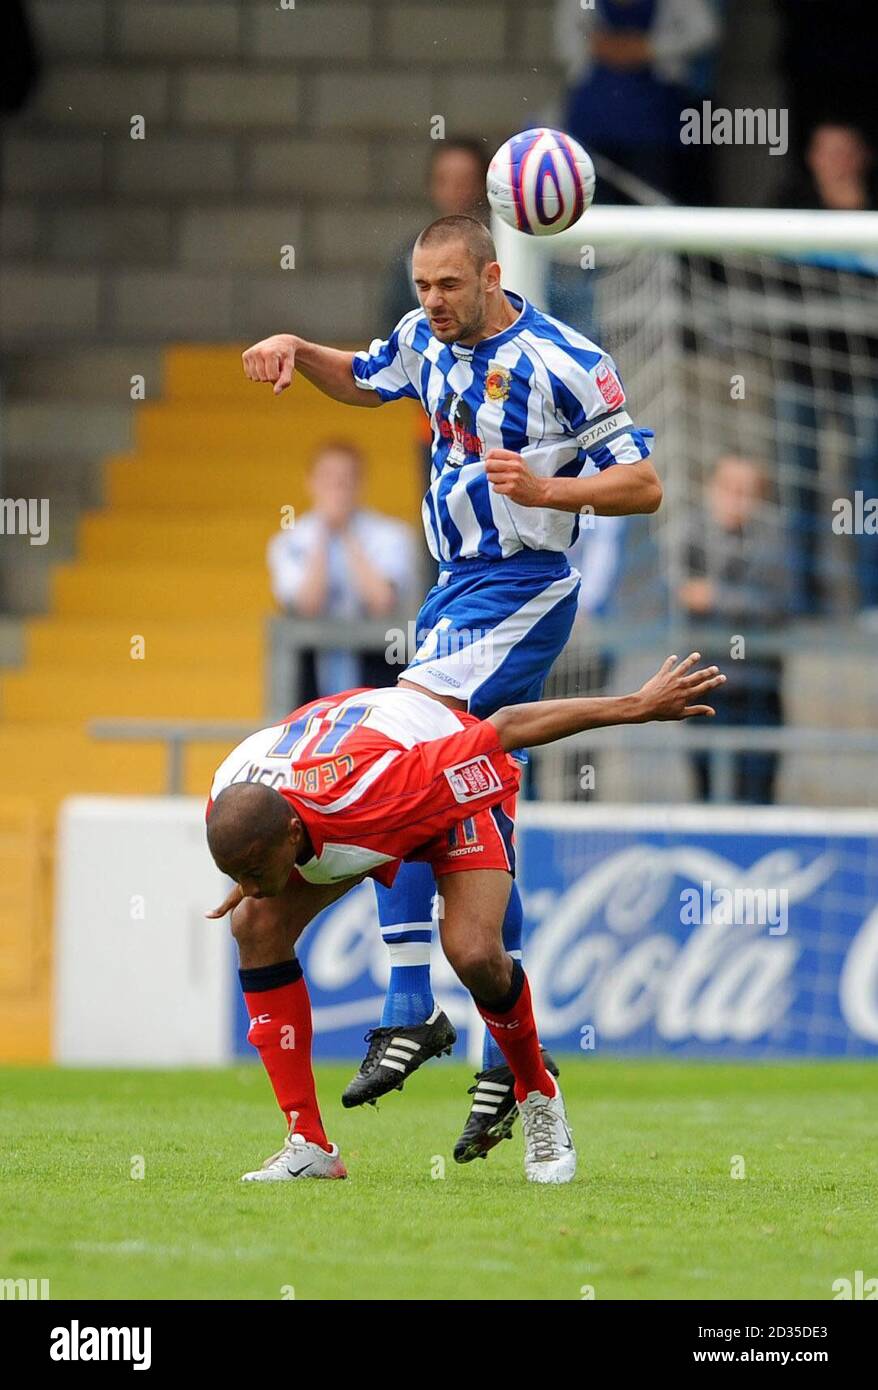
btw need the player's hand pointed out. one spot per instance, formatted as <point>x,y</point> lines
<point>274,360</point>
<point>231,902</point>
<point>671,691</point>
<point>509,475</point>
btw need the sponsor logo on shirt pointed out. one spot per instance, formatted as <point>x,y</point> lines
<point>454,421</point>
<point>473,779</point>
<point>609,386</point>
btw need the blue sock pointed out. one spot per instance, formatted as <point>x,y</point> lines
<point>405,912</point>
<point>513,923</point>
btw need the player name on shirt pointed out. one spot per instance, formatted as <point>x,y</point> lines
<point>407,766</point>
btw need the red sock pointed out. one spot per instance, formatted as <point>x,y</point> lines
<point>512,1025</point>
<point>281,1031</point>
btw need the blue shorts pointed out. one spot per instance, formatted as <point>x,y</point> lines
<point>489,630</point>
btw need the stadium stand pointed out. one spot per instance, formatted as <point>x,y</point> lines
<point>182,540</point>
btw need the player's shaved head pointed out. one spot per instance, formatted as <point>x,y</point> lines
<point>246,814</point>
<point>459,227</point>
<point>255,836</point>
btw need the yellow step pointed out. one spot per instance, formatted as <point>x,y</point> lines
<point>68,643</point>
<point>25,928</point>
<point>138,694</point>
<point>158,483</point>
<point>202,428</point>
<point>139,593</point>
<point>101,767</point>
<point>143,536</point>
<point>194,371</point>
<point>78,763</point>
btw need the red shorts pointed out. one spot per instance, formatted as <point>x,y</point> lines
<point>485,840</point>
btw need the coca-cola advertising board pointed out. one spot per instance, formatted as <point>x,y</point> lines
<point>726,932</point>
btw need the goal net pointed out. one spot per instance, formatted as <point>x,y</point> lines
<point>748,340</point>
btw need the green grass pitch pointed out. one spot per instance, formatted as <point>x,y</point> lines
<point>653,1213</point>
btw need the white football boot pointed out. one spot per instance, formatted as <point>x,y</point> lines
<point>299,1158</point>
<point>549,1155</point>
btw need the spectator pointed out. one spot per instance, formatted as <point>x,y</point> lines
<point>831,378</point>
<point>630,74</point>
<point>737,578</point>
<point>839,171</point>
<point>341,561</point>
<point>455,184</point>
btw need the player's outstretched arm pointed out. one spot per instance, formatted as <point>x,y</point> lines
<point>672,693</point>
<point>275,360</point>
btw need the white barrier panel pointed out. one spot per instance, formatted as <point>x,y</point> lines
<point>141,977</point>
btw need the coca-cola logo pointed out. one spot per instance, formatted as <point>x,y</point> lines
<point>610,949</point>
<point>607,949</point>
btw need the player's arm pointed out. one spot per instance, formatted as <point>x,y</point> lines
<point>672,693</point>
<point>331,370</point>
<point>300,900</point>
<point>626,489</point>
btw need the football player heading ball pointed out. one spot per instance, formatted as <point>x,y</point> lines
<point>531,428</point>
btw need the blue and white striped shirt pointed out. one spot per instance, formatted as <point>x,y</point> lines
<point>538,388</point>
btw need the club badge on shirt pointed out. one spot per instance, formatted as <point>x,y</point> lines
<point>498,382</point>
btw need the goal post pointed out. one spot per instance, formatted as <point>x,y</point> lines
<point>780,230</point>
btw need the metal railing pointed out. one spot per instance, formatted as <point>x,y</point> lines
<point>720,744</point>
<point>289,638</point>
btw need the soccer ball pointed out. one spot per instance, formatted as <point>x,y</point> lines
<point>540,181</point>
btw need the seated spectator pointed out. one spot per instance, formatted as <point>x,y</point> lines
<point>630,73</point>
<point>341,561</point>
<point>737,578</point>
<point>455,184</point>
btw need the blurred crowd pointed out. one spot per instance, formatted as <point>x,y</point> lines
<point>752,557</point>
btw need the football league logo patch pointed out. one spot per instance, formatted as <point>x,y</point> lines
<point>609,386</point>
<point>473,779</point>
<point>498,382</point>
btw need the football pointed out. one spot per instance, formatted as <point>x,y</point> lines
<point>541,181</point>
